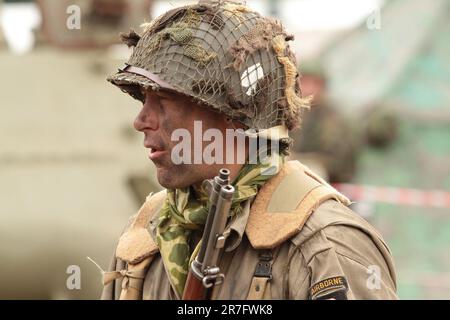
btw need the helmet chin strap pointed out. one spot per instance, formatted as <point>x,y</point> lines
<point>151,76</point>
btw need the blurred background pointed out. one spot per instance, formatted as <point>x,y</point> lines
<point>72,169</point>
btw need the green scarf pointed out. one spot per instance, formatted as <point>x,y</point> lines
<point>183,214</point>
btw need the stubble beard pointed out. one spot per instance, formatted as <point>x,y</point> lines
<point>183,175</point>
<point>175,176</point>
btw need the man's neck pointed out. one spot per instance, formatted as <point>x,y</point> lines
<point>234,171</point>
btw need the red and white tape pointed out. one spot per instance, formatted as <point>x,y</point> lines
<point>400,196</point>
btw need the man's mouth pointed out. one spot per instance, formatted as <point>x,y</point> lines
<point>155,152</point>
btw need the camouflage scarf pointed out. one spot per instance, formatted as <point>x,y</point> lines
<point>183,214</point>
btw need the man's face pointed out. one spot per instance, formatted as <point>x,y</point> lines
<point>162,113</point>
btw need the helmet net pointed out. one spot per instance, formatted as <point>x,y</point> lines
<point>223,55</point>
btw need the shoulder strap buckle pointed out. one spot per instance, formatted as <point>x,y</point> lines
<point>264,266</point>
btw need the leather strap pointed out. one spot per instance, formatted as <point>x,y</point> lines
<point>260,286</point>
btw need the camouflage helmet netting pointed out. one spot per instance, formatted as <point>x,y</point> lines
<point>224,55</point>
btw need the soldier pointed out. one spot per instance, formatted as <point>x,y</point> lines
<point>328,142</point>
<point>289,235</point>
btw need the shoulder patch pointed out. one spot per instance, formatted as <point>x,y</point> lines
<point>136,244</point>
<point>284,203</point>
<point>331,288</point>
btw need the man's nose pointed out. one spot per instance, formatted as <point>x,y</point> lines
<point>147,119</point>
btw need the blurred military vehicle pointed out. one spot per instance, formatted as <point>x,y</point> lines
<point>72,169</point>
<point>399,68</point>
<point>101,20</point>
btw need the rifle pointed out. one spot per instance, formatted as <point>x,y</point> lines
<point>204,272</point>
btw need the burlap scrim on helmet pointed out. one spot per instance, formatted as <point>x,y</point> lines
<point>224,55</point>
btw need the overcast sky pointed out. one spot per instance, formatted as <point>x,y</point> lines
<point>304,15</point>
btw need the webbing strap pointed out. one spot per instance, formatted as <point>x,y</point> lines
<point>260,286</point>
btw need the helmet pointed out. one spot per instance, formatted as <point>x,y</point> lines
<point>222,54</point>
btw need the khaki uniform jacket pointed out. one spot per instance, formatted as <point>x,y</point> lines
<point>333,253</point>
